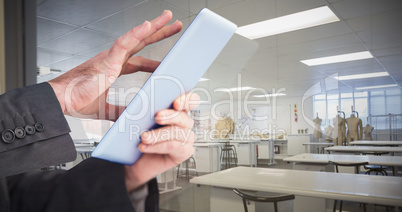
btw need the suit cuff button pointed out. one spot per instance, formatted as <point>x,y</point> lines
<point>19,132</point>
<point>39,127</point>
<point>8,136</point>
<point>30,129</point>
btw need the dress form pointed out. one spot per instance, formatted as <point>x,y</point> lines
<point>328,133</point>
<point>317,130</point>
<point>339,131</point>
<point>355,129</point>
<point>367,132</point>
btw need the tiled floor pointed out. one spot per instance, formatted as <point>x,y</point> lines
<point>192,198</point>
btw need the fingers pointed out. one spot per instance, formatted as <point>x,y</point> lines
<point>173,117</point>
<point>126,45</point>
<point>182,151</point>
<point>161,34</point>
<point>165,32</point>
<point>168,133</point>
<point>186,102</point>
<point>135,64</point>
<point>166,140</point>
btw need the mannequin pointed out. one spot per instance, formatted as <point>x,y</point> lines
<point>317,131</point>
<point>339,131</point>
<point>367,132</point>
<point>355,129</point>
<point>328,132</point>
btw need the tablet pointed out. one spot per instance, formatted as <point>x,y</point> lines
<point>177,74</point>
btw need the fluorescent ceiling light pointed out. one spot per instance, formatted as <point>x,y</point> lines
<point>362,76</point>
<point>203,79</point>
<point>287,23</point>
<point>234,89</point>
<point>378,86</point>
<point>268,95</point>
<point>338,58</point>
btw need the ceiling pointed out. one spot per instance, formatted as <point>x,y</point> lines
<point>70,32</point>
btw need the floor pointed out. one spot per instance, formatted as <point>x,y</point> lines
<point>192,198</point>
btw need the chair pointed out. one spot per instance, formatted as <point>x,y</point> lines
<point>228,155</point>
<point>273,199</point>
<point>356,165</point>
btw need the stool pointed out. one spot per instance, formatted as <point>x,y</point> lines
<point>376,168</point>
<point>274,199</point>
<point>187,168</point>
<point>228,156</point>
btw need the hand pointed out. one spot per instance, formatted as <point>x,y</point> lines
<point>167,146</point>
<point>83,90</point>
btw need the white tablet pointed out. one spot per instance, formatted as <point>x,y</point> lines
<point>177,74</point>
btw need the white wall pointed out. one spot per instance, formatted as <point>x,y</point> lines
<point>305,108</point>
<point>274,117</point>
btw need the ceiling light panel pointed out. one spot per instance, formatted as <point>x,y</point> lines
<point>338,58</point>
<point>376,87</point>
<point>292,22</point>
<point>269,95</point>
<point>235,89</point>
<point>362,76</point>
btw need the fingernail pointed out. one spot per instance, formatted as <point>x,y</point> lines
<point>146,137</point>
<point>141,147</point>
<point>145,23</point>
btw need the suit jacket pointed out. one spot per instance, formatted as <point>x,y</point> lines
<point>35,134</point>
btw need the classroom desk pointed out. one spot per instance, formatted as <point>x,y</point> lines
<point>377,143</point>
<point>363,149</point>
<point>310,188</point>
<point>323,159</point>
<point>245,149</point>
<point>207,156</point>
<point>318,144</point>
<point>270,149</point>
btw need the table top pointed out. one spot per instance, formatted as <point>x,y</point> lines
<point>342,186</point>
<point>325,158</point>
<point>207,144</point>
<point>377,143</point>
<point>87,149</point>
<point>83,145</point>
<point>272,139</point>
<point>246,141</point>
<point>319,143</point>
<point>364,149</point>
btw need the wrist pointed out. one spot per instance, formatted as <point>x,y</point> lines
<point>59,92</point>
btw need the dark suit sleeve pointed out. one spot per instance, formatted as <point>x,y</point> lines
<point>34,132</point>
<point>92,185</point>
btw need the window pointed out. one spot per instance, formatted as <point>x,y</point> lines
<point>333,105</point>
<point>374,103</point>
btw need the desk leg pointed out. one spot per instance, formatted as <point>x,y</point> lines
<point>271,153</point>
<point>395,171</point>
